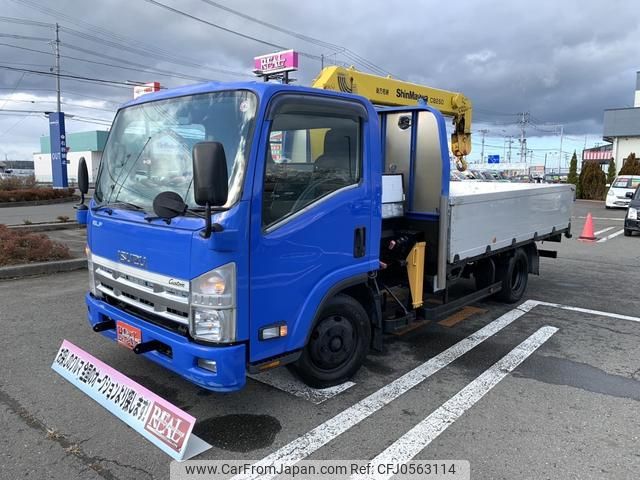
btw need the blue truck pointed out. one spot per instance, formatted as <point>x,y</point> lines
<point>240,227</point>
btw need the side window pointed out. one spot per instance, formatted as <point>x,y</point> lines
<point>309,156</point>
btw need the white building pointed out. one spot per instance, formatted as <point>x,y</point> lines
<point>81,144</point>
<point>622,129</point>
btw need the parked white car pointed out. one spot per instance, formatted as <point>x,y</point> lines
<point>621,191</point>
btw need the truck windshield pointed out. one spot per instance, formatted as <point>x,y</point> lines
<point>149,149</point>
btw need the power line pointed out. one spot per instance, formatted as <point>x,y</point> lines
<point>24,37</point>
<point>337,48</point>
<point>228,30</point>
<point>67,91</point>
<point>117,41</point>
<point>77,77</point>
<point>144,67</point>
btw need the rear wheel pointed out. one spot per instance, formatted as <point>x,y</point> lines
<point>338,344</point>
<point>514,274</point>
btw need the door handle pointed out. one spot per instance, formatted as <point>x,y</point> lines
<point>359,242</point>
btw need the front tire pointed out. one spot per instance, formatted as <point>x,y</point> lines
<point>515,277</point>
<point>338,344</point>
<point>627,232</point>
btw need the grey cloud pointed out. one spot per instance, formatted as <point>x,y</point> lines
<point>562,61</point>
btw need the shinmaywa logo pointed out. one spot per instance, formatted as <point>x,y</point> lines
<point>401,93</point>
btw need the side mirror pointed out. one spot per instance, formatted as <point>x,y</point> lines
<point>629,194</point>
<point>210,178</point>
<point>83,186</point>
<point>608,185</point>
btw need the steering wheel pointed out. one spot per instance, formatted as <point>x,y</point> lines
<point>305,193</point>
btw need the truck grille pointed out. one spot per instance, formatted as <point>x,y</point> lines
<point>150,292</point>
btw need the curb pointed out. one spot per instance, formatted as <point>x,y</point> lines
<point>46,227</point>
<point>42,268</point>
<point>37,203</point>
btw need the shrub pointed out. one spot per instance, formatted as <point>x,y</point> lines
<point>17,183</point>
<point>20,247</point>
<point>31,194</point>
<point>611,173</point>
<point>573,170</point>
<point>592,182</point>
<point>630,166</point>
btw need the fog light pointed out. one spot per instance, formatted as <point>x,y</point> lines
<point>210,365</point>
<point>272,331</point>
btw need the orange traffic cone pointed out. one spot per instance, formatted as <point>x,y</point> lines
<point>587,231</point>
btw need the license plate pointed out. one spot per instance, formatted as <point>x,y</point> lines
<point>128,335</point>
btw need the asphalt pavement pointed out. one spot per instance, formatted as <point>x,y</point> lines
<point>564,405</point>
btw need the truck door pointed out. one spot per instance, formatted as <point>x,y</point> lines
<point>311,214</point>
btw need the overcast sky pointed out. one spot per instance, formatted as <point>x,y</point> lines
<point>562,61</point>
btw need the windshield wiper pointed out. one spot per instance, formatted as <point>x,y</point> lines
<point>108,207</point>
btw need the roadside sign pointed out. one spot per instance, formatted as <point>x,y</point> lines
<point>58,141</point>
<point>493,159</point>
<point>139,90</point>
<point>279,62</point>
<point>163,424</point>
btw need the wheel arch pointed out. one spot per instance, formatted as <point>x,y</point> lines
<point>357,287</point>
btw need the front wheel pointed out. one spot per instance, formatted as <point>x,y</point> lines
<point>338,344</point>
<point>514,274</point>
<point>627,232</point>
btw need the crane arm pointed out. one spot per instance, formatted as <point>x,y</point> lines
<point>391,92</point>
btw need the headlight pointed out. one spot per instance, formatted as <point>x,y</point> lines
<point>610,193</point>
<point>632,214</point>
<point>92,277</point>
<point>213,305</point>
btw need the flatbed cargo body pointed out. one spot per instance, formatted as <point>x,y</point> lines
<point>489,216</point>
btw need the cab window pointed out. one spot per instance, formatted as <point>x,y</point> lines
<point>310,155</point>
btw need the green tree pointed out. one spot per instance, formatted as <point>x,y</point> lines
<point>592,182</point>
<point>573,170</point>
<point>631,165</point>
<point>611,173</point>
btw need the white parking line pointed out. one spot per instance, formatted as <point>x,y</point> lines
<point>314,439</point>
<point>603,230</point>
<point>420,436</point>
<point>605,218</point>
<point>613,235</point>
<point>585,310</point>
<point>283,379</point>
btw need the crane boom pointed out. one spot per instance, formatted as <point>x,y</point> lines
<point>391,92</point>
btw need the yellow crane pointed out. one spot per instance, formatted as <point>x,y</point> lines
<point>389,91</point>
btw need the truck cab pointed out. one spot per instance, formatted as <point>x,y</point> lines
<point>300,223</point>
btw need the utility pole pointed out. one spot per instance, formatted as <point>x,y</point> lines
<point>545,165</point>
<point>57,52</point>
<point>561,138</point>
<point>523,140</point>
<point>57,135</point>
<point>510,141</point>
<point>484,132</point>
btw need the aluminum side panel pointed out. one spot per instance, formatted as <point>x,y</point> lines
<point>496,219</point>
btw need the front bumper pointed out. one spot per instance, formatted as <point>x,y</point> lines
<point>230,360</point>
<point>614,201</point>
<point>633,225</point>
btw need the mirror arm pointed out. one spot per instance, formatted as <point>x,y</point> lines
<point>210,227</point>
